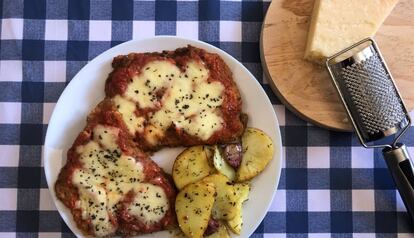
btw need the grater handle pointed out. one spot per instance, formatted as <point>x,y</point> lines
<point>399,164</point>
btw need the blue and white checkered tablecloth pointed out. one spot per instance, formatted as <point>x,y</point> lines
<point>330,185</point>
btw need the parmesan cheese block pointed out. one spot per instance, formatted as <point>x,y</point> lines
<point>337,24</point>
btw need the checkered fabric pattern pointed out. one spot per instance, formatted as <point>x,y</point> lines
<point>330,186</point>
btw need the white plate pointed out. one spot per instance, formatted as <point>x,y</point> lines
<point>87,88</point>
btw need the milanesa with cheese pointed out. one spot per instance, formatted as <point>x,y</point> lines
<point>111,186</point>
<point>174,98</point>
<point>337,24</point>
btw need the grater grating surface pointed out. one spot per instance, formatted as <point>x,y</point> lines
<point>373,94</point>
<point>376,109</point>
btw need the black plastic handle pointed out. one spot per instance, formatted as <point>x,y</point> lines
<point>401,168</point>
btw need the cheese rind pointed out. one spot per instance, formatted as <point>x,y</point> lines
<point>337,24</point>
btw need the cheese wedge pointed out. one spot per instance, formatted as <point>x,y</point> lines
<point>337,24</point>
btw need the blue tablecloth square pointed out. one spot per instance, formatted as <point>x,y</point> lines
<point>230,11</point>
<point>25,221</point>
<point>32,113</point>
<point>34,9</point>
<point>144,10</point>
<point>32,92</point>
<point>50,221</point>
<point>340,138</point>
<point>122,10</point>
<point>77,50</point>
<point>165,10</point>
<point>165,27</point>
<point>187,11</point>
<point>386,222</point>
<point>341,200</point>
<point>57,9</point>
<point>296,178</point>
<point>10,49</point>
<point>8,221</point>
<point>30,156</point>
<point>12,9</point>
<point>295,136</point>
<point>340,157</point>
<point>28,198</point>
<point>296,200</point>
<point>296,222</point>
<point>78,10</point>
<point>121,30</point>
<point>363,222</point>
<point>252,11</point>
<point>383,179</point>
<point>29,177</point>
<point>33,71</point>
<point>33,50</point>
<point>319,222</point>
<point>341,178</point>
<point>318,179</point>
<point>34,29</point>
<point>341,222</point>
<point>209,10</point>
<point>9,175</point>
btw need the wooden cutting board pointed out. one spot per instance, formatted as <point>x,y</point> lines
<point>306,88</point>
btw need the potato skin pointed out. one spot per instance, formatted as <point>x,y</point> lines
<point>222,165</point>
<point>193,206</point>
<point>192,165</point>
<point>220,233</point>
<point>233,154</point>
<point>258,151</point>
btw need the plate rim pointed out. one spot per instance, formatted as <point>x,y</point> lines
<point>187,41</point>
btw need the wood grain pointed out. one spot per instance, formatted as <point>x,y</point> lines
<point>305,88</point>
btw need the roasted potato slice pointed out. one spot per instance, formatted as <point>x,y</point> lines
<point>222,166</point>
<point>222,232</point>
<point>192,165</point>
<point>242,194</point>
<point>257,152</point>
<point>236,223</point>
<point>193,206</point>
<point>228,196</point>
<point>242,191</point>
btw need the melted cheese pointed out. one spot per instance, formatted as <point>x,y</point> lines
<point>155,76</point>
<point>127,110</point>
<point>106,176</point>
<point>188,100</point>
<point>150,203</point>
<point>93,202</point>
<point>106,136</point>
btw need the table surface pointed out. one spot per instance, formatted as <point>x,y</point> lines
<point>330,186</point>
